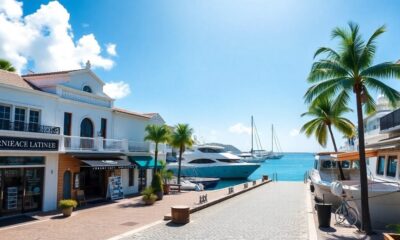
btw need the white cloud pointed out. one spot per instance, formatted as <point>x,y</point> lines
<point>117,90</point>
<point>294,132</point>
<point>111,49</point>
<point>240,128</point>
<point>45,37</point>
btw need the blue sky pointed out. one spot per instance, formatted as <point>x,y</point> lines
<point>213,64</point>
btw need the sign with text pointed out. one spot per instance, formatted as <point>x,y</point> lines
<point>115,190</point>
<point>28,144</point>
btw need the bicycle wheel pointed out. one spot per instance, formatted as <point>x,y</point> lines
<point>352,216</point>
<point>339,214</point>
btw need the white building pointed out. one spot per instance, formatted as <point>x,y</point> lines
<point>60,135</point>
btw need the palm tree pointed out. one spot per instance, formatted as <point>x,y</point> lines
<point>6,65</point>
<point>181,138</point>
<point>348,70</point>
<point>157,134</point>
<point>328,113</point>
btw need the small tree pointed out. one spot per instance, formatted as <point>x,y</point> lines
<point>157,134</point>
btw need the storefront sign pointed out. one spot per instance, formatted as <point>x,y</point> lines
<point>28,144</point>
<point>115,190</point>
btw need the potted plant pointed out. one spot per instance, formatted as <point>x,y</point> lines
<point>148,196</point>
<point>395,235</point>
<point>166,176</point>
<point>157,186</point>
<point>67,205</point>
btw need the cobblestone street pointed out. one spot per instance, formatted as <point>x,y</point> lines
<point>273,211</point>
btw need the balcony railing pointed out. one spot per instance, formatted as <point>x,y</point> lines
<point>28,127</point>
<point>99,144</point>
<point>391,120</point>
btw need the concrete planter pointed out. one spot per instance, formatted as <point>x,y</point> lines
<point>67,211</point>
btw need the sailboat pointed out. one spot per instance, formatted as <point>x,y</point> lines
<point>254,156</point>
<point>274,141</point>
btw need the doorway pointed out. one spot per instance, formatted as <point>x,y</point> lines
<point>93,182</point>
<point>67,185</point>
<point>142,179</point>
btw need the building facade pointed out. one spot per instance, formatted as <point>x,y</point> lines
<point>61,137</point>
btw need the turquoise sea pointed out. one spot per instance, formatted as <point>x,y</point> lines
<point>291,167</point>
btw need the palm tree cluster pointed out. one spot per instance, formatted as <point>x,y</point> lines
<point>340,73</point>
<point>180,137</point>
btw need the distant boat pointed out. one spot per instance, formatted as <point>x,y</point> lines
<point>254,156</point>
<point>207,161</point>
<point>274,141</point>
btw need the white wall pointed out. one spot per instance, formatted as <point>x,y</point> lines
<point>129,127</point>
<point>50,183</point>
<point>125,181</point>
<point>79,79</point>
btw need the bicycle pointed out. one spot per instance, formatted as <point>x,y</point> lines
<point>345,212</point>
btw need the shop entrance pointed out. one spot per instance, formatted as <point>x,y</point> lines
<point>21,190</point>
<point>93,182</point>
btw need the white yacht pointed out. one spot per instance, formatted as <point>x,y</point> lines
<point>326,171</point>
<point>213,161</point>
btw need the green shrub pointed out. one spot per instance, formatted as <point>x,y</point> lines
<point>148,194</point>
<point>156,183</point>
<point>67,203</point>
<point>394,227</point>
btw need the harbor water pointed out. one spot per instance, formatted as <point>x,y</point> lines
<point>291,167</point>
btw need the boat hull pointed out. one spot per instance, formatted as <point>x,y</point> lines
<point>206,182</point>
<point>323,193</point>
<point>384,204</point>
<point>224,172</point>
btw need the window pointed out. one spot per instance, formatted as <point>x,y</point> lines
<point>33,120</point>
<point>21,161</point>
<point>229,160</point>
<point>328,164</point>
<point>5,117</point>
<point>391,166</point>
<point>19,119</point>
<point>202,161</point>
<point>103,130</point>
<point>131,177</point>
<point>345,164</point>
<point>67,123</point>
<point>211,150</point>
<point>88,89</point>
<point>380,165</point>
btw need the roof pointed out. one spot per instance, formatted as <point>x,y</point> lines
<point>14,79</point>
<point>50,73</point>
<point>144,115</point>
<point>353,156</point>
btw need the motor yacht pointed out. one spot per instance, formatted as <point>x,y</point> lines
<point>213,161</point>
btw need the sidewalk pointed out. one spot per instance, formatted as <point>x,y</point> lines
<point>106,221</point>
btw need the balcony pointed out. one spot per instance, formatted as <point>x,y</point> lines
<point>99,144</point>
<point>28,127</point>
<point>390,122</point>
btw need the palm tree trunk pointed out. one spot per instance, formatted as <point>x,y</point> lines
<point>335,147</point>
<point>179,164</point>
<point>155,159</point>
<point>365,216</point>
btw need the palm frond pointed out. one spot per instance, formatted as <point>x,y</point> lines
<point>382,70</point>
<point>370,48</point>
<point>369,103</point>
<point>331,54</point>
<point>326,88</point>
<point>391,94</point>
<point>326,69</point>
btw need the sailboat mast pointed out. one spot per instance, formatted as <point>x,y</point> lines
<point>272,138</point>
<point>251,134</point>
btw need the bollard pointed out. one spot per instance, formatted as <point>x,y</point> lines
<point>254,183</point>
<point>230,190</point>
<point>265,178</point>
<point>245,185</point>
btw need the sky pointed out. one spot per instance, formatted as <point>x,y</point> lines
<point>211,64</point>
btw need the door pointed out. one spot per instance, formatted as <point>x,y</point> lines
<point>33,189</point>
<point>87,133</point>
<point>67,185</point>
<point>142,179</point>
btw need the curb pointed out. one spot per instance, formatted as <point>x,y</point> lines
<point>216,201</point>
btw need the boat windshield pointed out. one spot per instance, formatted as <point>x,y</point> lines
<point>202,161</point>
<point>211,150</point>
<point>229,160</point>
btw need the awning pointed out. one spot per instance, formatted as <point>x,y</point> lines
<point>107,164</point>
<point>144,162</point>
<point>354,156</point>
<point>386,143</point>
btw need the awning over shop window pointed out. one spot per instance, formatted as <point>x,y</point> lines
<point>145,162</point>
<point>354,156</point>
<point>108,164</point>
<point>102,161</point>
